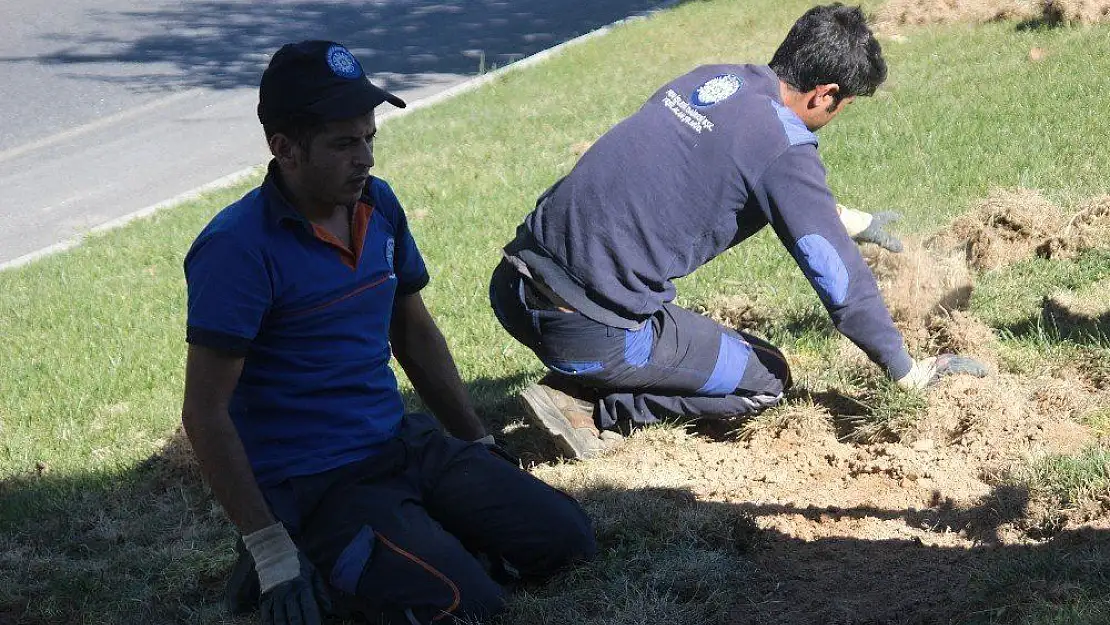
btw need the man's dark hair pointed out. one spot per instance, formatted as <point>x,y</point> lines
<point>301,129</point>
<point>831,44</point>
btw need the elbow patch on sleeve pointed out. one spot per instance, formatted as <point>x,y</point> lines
<point>823,267</point>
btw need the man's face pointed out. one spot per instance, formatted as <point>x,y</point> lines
<point>337,163</point>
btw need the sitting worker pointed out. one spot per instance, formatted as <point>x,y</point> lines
<point>297,293</point>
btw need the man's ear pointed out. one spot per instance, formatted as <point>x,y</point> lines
<point>824,96</point>
<point>285,150</point>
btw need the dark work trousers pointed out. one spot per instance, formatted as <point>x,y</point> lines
<point>397,535</point>
<point>678,364</point>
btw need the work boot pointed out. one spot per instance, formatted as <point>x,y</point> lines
<point>242,593</point>
<point>568,419</point>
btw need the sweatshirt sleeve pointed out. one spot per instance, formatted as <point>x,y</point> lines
<point>799,206</point>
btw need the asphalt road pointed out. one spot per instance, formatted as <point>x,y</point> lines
<point>114,105</point>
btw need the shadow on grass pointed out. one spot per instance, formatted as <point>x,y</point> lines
<point>498,403</point>
<point>1063,325</point>
<point>147,545</point>
<point>150,546</point>
<point>223,44</point>
<point>679,550</point>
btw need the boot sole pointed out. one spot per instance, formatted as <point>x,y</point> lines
<point>546,415</point>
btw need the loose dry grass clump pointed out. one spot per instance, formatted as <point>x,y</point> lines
<point>1087,229</point>
<point>958,332</point>
<point>1006,227</point>
<point>926,290</point>
<point>924,12</point>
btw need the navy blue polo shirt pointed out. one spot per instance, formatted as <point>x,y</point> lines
<point>710,159</point>
<point>311,317</point>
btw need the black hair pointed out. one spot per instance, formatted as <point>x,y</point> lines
<point>831,44</point>
<point>301,129</point>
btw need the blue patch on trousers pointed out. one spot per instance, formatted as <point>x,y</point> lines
<point>823,267</point>
<point>732,359</point>
<point>352,562</point>
<point>574,367</point>
<point>637,345</point>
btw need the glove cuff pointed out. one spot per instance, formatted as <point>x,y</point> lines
<point>275,556</point>
<point>486,440</point>
<point>854,221</point>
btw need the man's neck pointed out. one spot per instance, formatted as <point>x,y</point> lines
<point>313,211</point>
<point>792,99</point>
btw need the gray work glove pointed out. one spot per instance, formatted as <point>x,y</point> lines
<point>292,591</point>
<point>867,228</point>
<point>927,371</point>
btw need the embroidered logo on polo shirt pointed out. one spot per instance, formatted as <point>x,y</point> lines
<point>389,246</point>
<point>717,89</point>
<point>343,63</point>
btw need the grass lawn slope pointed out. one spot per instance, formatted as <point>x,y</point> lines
<point>979,501</point>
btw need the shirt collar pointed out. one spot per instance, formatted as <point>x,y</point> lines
<point>279,207</point>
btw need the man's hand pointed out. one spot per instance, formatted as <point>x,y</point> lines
<point>292,591</point>
<point>926,372</point>
<point>497,450</point>
<point>867,228</point>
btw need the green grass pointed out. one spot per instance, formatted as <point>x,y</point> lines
<point>91,341</point>
<point>1071,481</point>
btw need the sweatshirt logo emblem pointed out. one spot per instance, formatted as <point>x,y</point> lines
<point>716,90</point>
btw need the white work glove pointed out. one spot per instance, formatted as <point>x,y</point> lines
<point>867,228</point>
<point>292,590</point>
<point>927,371</point>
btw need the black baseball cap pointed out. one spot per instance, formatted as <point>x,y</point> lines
<point>320,80</point>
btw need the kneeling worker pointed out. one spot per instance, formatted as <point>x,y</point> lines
<point>297,294</point>
<point>709,160</point>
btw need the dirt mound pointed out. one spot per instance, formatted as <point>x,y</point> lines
<point>988,416</point>
<point>1076,11</point>
<point>923,12</point>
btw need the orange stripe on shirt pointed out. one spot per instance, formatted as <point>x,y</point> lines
<point>360,220</point>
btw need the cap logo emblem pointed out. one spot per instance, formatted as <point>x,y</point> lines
<point>716,90</point>
<point>343,63</point>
